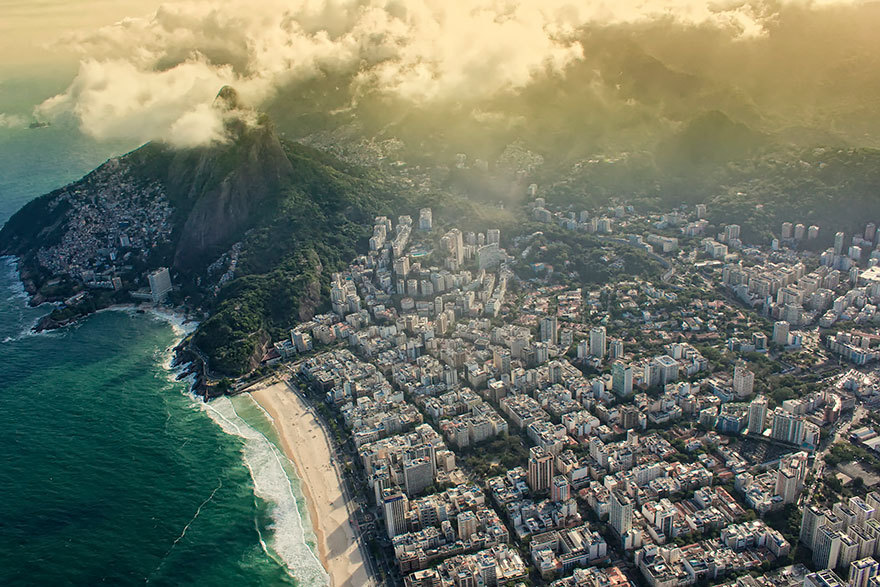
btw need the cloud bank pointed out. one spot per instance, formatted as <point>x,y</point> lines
<point>156,77</point>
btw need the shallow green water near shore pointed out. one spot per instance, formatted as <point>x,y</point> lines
<point>110,472</point>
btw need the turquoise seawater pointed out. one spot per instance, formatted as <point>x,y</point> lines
<point>110,472</point>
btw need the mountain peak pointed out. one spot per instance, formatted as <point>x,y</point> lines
<point>228,99</point>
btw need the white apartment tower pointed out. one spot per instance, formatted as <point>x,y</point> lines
<point>621,513</point>
<point>160,284</point>
<point>597,341</point>
<point>743,380</point>
<point>395,505</point>
<point>758,415</point>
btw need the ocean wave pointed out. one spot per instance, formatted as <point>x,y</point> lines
<point>181,324</point>
<point>271,482</point>
<point>12,279</point>
<point>15,302</point>
<point>28,332</point>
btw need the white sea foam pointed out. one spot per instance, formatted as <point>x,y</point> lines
<point>15,284</point>
<point>16,309</point>
<point>271,482</point>
<point>182,325</point>
<point>265,462</point>
<point>26,332</point>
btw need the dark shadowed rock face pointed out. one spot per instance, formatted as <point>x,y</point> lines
<point>229,188</point>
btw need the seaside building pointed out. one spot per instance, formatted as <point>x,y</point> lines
<point>395,505</point>
<point>160,284</point>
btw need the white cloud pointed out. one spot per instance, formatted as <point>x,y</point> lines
<point>155,77</point>
<point>11,121</point>
<point>116,99</point>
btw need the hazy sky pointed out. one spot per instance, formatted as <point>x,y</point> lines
<point>29,27</point>
<point>150,69</point>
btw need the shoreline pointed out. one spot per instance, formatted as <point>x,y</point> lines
<point>297,427</point>
<point>175,316</point>
<point>338,550</point>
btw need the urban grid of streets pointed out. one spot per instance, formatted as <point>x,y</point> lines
<point>640,459</point>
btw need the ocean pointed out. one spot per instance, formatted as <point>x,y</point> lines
<point>111,471</point>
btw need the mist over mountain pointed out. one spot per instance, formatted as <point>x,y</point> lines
<point>569,81</point>
<point>810,78</point>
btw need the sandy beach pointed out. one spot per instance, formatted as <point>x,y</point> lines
<point>306,444</point>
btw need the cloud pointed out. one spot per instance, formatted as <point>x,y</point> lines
<point>11,121</point>
<point>154,77</point>
<point>116,99</point>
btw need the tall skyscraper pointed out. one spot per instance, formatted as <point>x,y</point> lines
<point>787,427</point>
<point>757,415</point>
<point>813,518</point>
<point>540,469</point>
<point>731,232</point>
<point>501,360</point>
<point>560,490</point>
<point>826,548</point>
<point>597,341</point>
<point>620,516</point>
<point>743,380</point>
<point>616,351</point>
<point>838,243</point>
<point>873,500</point>
<point>780,332</point>
<point>664,520</point>
<point>395,504</point>
<point>418,473</point>
<point>426,219</point>
<point>629,417</point>
<point>160,284</point>
<point>453,241</point>
<point>554,371</point>
<point>549,329</point>
<point>788,485</point>
<point>622,379</point>
<point>668,368</point>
